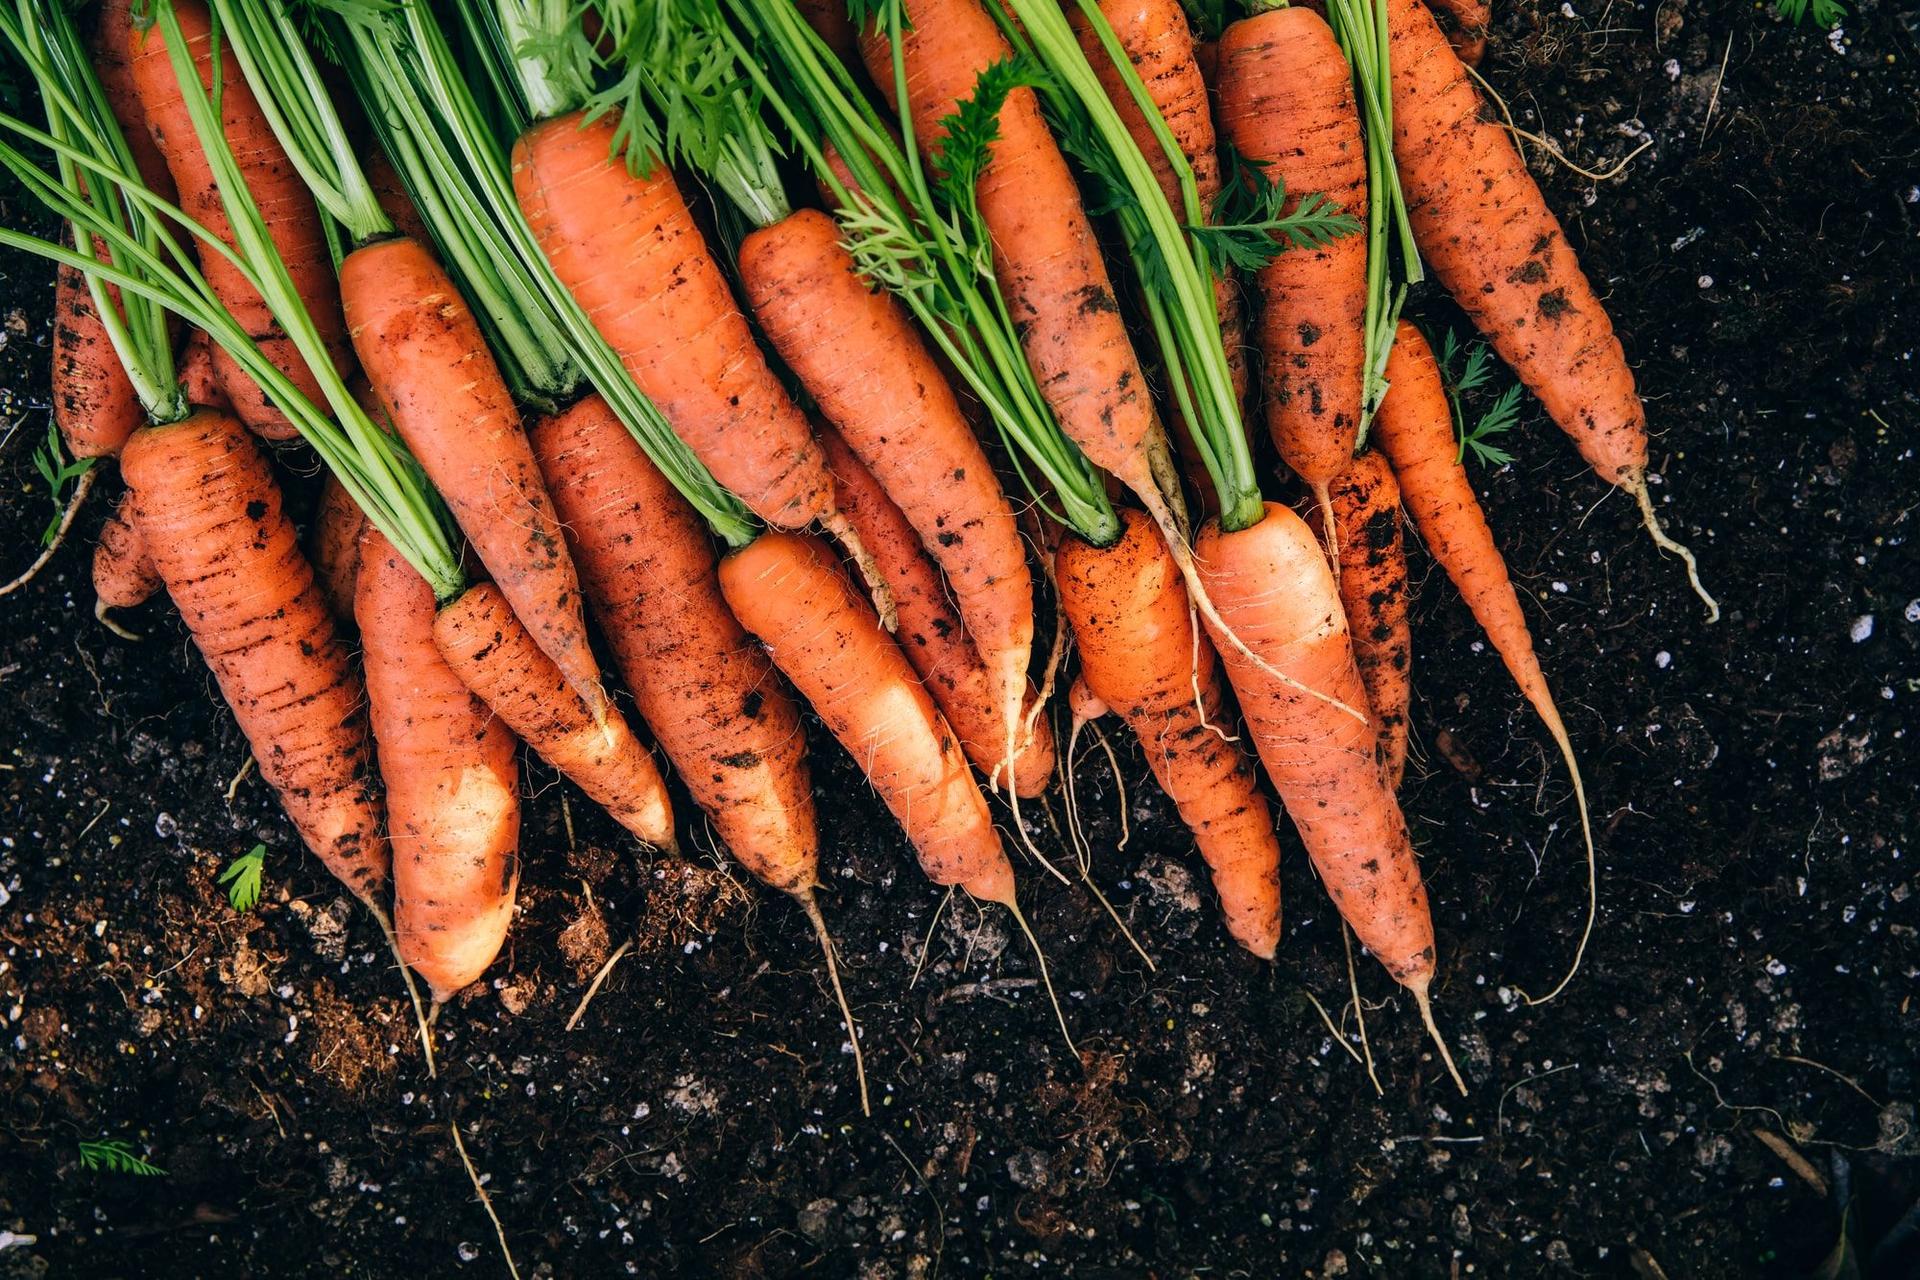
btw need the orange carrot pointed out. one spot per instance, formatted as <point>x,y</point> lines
<point>94,403</point>
<point>427,360</point>
<point>285,205</point>
<point>935,637</point>
<point>198,375</point>
<point>1287,103</point>
<point>453,804</point>
<point>1274,588</point>
<point>828,18</point>
<point>124,575</point>
<point>1485,229</point>
<point>856,350</point>
<point>109,45</point>
<point>391,194</point>
<point>1140,655</point>
<point>333,545</point>
<point>1466,23</point>
<point>497,658</point>
<point>1373,591</point>
<point>1415,429</point>
<point>209,511</point>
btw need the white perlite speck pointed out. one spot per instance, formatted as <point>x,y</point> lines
<point>1862,628</point>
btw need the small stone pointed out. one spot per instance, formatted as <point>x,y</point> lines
<point>1663,659</point>
<point>1862,628</point>
<point>1705,282</point>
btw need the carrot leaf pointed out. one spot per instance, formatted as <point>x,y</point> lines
<point>60,472</point>
<point>970,132</point>
<point>242,878</point>
<point>1465,372</point>
<point>1250,224</point>
<point>1826,13</point>
<point>116,1156</point>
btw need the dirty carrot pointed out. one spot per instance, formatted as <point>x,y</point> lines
<point>333,545</point>
<point>1487,232</point>
<point>124,575</point>
<point>1415,430</point>
<point>1373,590</point>
<point>94,402</point>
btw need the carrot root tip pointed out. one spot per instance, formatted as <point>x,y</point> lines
<point>1424,999</point>
<point>1637,486</point>
<point>811,905</point>
<point>106,619</point>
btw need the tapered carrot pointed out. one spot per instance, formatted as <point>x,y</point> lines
<point>94,403</point>
<point>1486,231</point>
<point>208,508</point>
<point>1274,588</point>
<point>124,575</point>
<point>934,636</point>
<point>1466,23</point>
<point>854,347</point>
<point>453,804</point>
<point>1287,104</point>
<point>285,206</point>
<point>427,360</point>
<point>1415,430</point>
<point>1140,655</point>
<point>112,33</point>
<point>333,545</point>
<point>1373,591</point>
<point>496,657</point>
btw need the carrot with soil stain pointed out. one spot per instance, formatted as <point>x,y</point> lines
<point>453,804</point>
<point>708,692</point>
<point>1486,231</point>
<point>856,350</point>
<point>1274,587</point>
<point>1141,656</point>
<point>209,511</point>
<point>112,34</point>
<point>1415,430</point>
<point>496,657</point>
<point>427,360</point>
<point>1287,103</point>
<point>124,575</point>
<point>1373,591</point>
<point>1467,24</point>
<point>94,402</point>
<point>935,637</point>
<point>333,545</point>
<point>198,377</point>
<point>286,208</point>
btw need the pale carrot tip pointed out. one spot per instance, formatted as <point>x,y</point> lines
<point>1425,1001</point>
<point>1636,484</point>
<point>106,620</point>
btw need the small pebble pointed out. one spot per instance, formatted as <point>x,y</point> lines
<point>1912,613</point>
<point>1862,628</point>
<point>1663,659</point>
<point>1706,282</point>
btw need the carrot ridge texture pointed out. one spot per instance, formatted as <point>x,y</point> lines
<point>1373,591</point>
<point>94,403</point>
<point>124,574</point>
<point>1139,655</point>
<point>210,513</point>
<point>452,786</point>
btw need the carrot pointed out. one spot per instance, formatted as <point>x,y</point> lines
<point>1466,23</point>
<point>391,194</point>
<point>286,207</point>
<point>94,403</point>
<point>428,362</point>
<point>207,506</point>
<point>1373,592</point>
<point>934,636</point>
<point>627,249</point>
<point>1415,430</point>
<point>1159,42</point>
<point>496,657</point>
<point>1141,656</point>
<point>333,545</point>
<point>109,45</point>
<point>453,804</point>
<point>124,574</point>
<point>1287,103</point>
<point>855,349</point>
<point>1489,236</point>
<point>1273,587</point>
<point>198,375</point>
<point>829,20</point>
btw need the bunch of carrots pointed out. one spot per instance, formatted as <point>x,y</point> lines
<point>967,327</point>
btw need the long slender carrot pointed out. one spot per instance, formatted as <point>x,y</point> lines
<point>427,360</point>
<point>1415,430</point>
<point>124,574</point>
<point>1141,656</point>
<point>854,347</point>
<point>1273,587</point>
<point>453,804</point>
<point>1373,591</point>
<point>935,637</point>
<point>333,545</point>
<point>496,657</point>
<point>210,513</point>
<point>112,31</point>
<point>1486,230</point>
<point>285,205</point>
<point>1287,103</point>
<point>94,403</point>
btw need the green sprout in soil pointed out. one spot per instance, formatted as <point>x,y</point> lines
<point>116,1156</point>
<point>1826,13</point>
<point>61,473</point>
<point>1463,375</point>
<point>242,878</point>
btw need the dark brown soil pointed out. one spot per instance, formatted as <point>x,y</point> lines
<point>1754,970</point>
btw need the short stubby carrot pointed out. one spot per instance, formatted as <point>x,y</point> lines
<point>124,575</point>
<point>627,248</point>
<point>210,513</point>
<point>198,376</point>
<point>94,403</point>
<point>1272,584</point>
<point>452,787</point>
<point>705,689</point>
<point>1045,254</point>
<point>786,589</point>
<point>855,348</point>
<point>333,545</point>
<point>1140,655</point>
<point>1287,102</point>
<point>285,206</point>
<point>495,656</point>
<point>427,360</point>
<point>936,638</point>
<point>1373,590</point>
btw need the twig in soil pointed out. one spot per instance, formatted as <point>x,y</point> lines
<point>1849,1081</point>
<point>1719,80</point>
<point>1500,1112</point>
<point>1359,1010</point>
<point>233,788</point>
<point>81,489</point>
<point>1551,147</point>
<point>486,1201</point>
<point>1793,1160</point>
<point>1339,1037</point>
<point>593,988</point>
<point>927,944</point>
<point>105,805</point>
<point>990,989</point>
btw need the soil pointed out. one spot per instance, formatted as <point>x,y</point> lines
<point>1752,978</point>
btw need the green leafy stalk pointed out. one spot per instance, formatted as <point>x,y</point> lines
<point>548,52</point>
<point>242,878</point>
<point>59,472</point>
<point>116,1156</point>
<point>922,238</point>
<point>1462,376</point>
